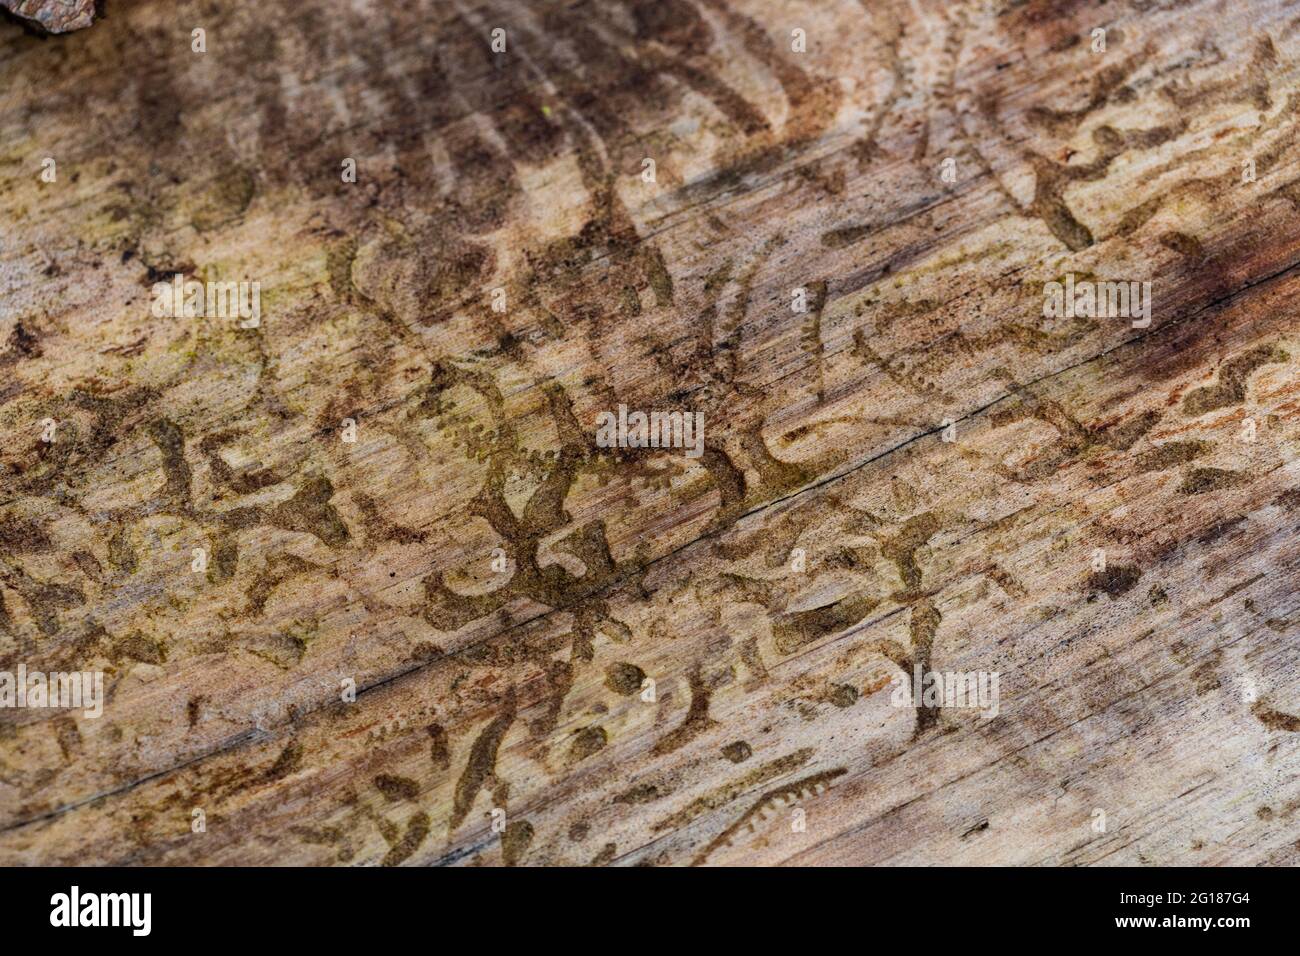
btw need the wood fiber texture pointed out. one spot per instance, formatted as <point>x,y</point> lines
<point>1160,690</point>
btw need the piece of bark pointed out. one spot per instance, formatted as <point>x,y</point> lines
<point>53,16</point>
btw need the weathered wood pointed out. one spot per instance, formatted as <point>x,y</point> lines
<point>827,540</point>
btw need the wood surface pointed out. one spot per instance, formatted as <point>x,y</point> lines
<point>1161,691</point>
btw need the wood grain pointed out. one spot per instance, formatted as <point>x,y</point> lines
<point>828,539</point>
